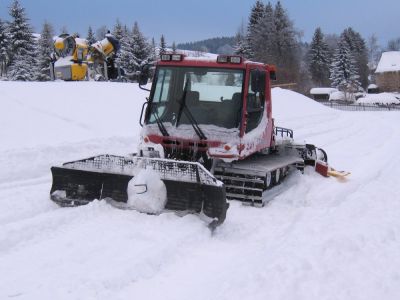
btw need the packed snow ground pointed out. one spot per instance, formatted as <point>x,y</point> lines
<point>317,239</point>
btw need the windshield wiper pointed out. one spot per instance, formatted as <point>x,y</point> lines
<point>188,114</point>
<point>194,123</point>
<point>160,124</point>
<point>182,102</point>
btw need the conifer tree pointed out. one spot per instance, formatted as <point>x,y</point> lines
<point>265,37</point>
<point>393,45</point>
<point>344,71</point>
<point>4,44</point>
<point>285,35</point>
<point>118,31</point>
<point>141,48</point>
<point>22,45</point>
<point>134,51</point>
<point>319,59</point>
<point>286,46</point>
<point>153,52</point>
<point>256,14</point>
<point>125,31</point>
<point>163,46</point>
<point>90,36</point>
<point>45,49</point>
<point>358,49</point>
<point>125,56</point>
<point>241,47</point>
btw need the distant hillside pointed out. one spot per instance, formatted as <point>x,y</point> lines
<point>219,45</point>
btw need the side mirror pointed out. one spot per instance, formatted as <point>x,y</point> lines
<point>272,75</point>
<point>257,81</point>
<point>143,78</point>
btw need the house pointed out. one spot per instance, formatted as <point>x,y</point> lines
<point>387,73</point>
<point>373,89</point>
<point>322,94</point>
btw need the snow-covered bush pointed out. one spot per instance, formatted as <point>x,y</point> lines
<point>380,99</point>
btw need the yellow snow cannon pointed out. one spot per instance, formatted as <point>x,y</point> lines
<point>71,55</point>
<point>101,59</point>
<point>105,48</point>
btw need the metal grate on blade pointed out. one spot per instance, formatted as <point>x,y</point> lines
<point>167,169</point>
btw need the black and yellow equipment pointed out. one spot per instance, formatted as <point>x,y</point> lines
<point>75,60</point>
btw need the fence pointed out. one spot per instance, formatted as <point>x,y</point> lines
<point>361,107</point>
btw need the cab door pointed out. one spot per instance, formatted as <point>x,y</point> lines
<point>258,124</point>
<point>255,99</point>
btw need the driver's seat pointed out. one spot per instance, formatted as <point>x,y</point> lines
<point>192,98</point>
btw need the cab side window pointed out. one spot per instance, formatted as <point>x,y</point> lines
<point>162,88</point>
<point>255,99</point>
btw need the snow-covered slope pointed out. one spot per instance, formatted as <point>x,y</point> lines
<point>317,239</point>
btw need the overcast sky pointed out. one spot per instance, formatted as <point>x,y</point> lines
<point>192,20</point>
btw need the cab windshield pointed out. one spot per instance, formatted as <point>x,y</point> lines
<point>213,96</point>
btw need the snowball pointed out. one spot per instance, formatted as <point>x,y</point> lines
<point>151,201</point>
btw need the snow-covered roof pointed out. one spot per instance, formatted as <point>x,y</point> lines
<point>372,86</point>
<point>381,98</point>
<point>322,91</point>
<point>389,62</point>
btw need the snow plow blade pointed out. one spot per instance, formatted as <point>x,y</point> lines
<point>189,186</point>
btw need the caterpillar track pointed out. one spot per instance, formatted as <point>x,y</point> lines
<point>247,180</point>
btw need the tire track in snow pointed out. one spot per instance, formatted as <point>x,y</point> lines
<point>26,177</point>
<point>60,235</point>
<point>44,112</point>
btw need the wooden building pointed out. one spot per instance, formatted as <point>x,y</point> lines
<point>322,94</point>
<point>387,74</point>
